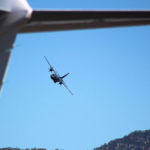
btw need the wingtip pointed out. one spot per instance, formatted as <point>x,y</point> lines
<point>71,93</point>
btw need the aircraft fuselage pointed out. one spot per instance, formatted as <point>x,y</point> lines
<point>55,78</point>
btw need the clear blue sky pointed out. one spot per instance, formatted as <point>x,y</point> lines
<point>109,76</point>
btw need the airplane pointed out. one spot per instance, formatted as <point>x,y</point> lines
<point>56,77</point>
<point>17,17</point>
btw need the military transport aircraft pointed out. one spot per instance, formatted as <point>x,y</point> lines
<point>16,17</point>
<point>56,77</point>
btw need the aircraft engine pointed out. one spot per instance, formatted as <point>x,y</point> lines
<point>51,69</point>
<point>60,83</point>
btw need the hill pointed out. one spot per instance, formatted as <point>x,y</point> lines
<point>138,140</point>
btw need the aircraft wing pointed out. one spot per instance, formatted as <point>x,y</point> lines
<point>49,63</point>
<point>56,20</point>
<point>67,87</point>
<point>51,67</point>
<point>6,44</point>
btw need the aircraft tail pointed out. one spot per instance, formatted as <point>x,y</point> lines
<point>64,76</point>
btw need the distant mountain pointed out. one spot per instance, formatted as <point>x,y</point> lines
<point>138,140</point>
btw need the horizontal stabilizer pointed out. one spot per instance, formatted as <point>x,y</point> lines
<point>64,76</point>
<point>56,20</point>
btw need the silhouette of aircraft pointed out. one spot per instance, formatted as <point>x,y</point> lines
<point>16,17</point>
<point>56,77</point>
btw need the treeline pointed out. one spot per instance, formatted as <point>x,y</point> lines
<point>10,148</point>
<point>138,140</point>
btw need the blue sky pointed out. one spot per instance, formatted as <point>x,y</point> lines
<point>109,76</point>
